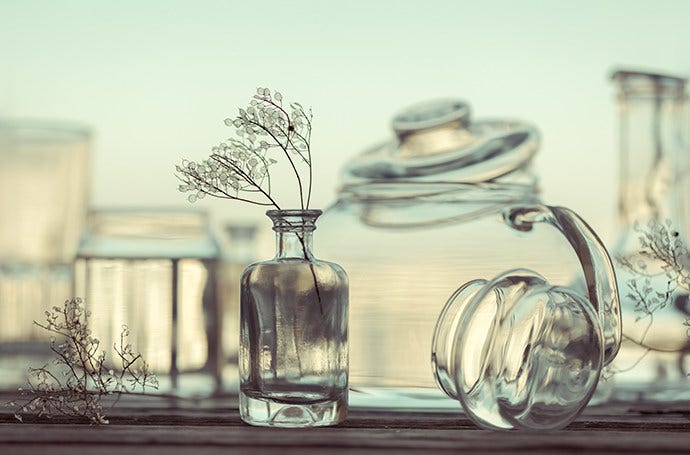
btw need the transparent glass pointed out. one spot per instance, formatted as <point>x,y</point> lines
<point>43,191</point>
<point>43,202</point>
<point>520,353</point>
<point>652,363</point>
<point>238,246</point>
<point>420,215</point>
<point>294,326</point>
<point>155,271</point>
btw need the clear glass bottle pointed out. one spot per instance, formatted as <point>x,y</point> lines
<point>293,345</point>
<point>651,362</point>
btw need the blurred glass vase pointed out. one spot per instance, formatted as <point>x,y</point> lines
<point>238,246</point>
<point>43,203</point>
<point>154,271</point>
<point>293,348</point>
<point>652,364</point>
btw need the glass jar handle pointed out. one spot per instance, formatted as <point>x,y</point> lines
<point>600,277</point>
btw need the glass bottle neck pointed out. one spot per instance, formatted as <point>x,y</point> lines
<point>294,245</point>
<point>294,230</point>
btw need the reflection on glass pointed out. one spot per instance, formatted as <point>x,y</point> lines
<point>155,272</point>
<point>43,199</point>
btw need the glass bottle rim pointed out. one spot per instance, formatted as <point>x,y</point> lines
<point>634,83</point>
<point>304,213</point>
<point>294,220</point>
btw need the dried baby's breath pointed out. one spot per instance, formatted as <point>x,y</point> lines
<point>239,167</point>
<point>77,379</point>
<point>661,252</point>
<point>659,271</point>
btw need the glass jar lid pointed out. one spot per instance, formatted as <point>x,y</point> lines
<point>438,141</point>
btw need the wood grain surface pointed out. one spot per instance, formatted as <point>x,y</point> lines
<point>210,426</point>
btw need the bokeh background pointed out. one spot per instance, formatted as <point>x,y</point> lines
<point>155,79</point>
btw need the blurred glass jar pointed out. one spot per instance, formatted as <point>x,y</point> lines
<point>653,203</point>
<point>155,271</point>
<point>43,202</point>
<point>437,206</point>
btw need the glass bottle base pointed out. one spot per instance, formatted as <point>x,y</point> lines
<point>262,411</point>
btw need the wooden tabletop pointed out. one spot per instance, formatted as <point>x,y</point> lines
<point>213,426</point>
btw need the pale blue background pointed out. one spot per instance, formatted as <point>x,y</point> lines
<point>155,79</point>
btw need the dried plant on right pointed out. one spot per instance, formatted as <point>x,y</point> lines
<point>656,285</point>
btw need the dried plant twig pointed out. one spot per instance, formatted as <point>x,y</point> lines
<point>659,271</point>
<point>239,168</point>
<point>77,380</point>
<point>660,245</point>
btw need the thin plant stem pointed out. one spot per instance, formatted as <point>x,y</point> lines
<point>287,155</point>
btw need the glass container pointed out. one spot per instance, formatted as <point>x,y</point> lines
<point>521,353</point>
<point>155,271</point>
<point>43,203</point>
<point>653,222</point>
<point>238,251</point>
<point>294,326</point>
<point>417,216</point>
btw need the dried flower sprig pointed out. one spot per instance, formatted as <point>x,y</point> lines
<point>662,253</point>
<point>239,168</point>
<point>662,246</point>
<point>78,379</point>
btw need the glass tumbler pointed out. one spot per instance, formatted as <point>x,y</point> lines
<point>43,202</point>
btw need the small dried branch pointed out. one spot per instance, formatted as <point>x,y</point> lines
<point>77,380</point>
<point>661,246</point>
